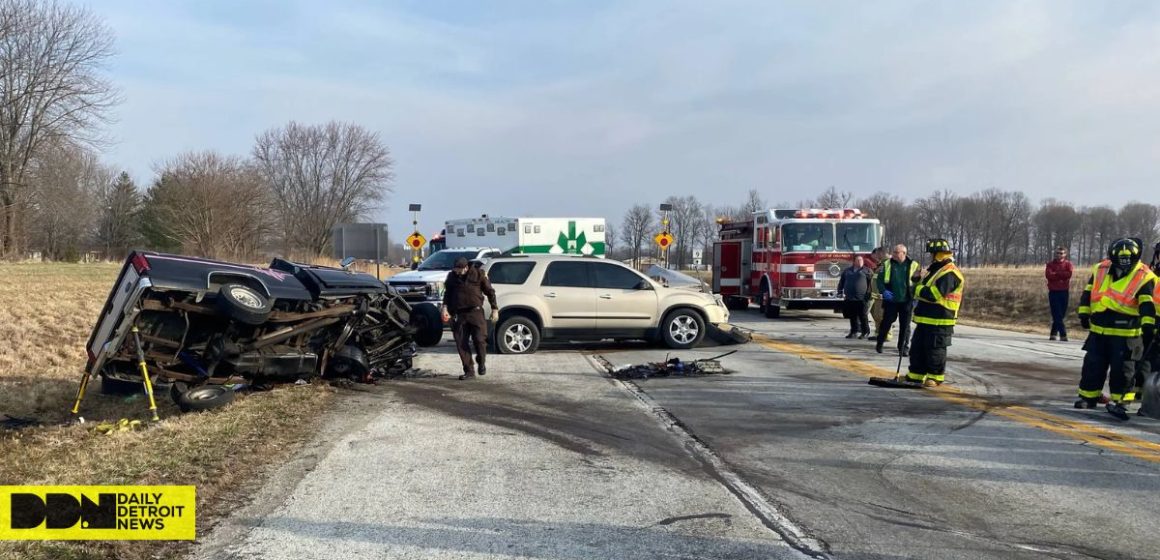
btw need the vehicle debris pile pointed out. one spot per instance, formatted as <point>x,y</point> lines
<point>673,367</point>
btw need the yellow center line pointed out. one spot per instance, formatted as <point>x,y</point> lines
<point>1094,435</point>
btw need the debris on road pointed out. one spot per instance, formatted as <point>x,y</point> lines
<point>671,368</point>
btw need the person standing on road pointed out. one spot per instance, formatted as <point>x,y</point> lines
<point>463,296</point>
<point>896,283</point>
<point>1116,306</point>
<point>854,285</point>
<point>938,297</point>
<point>1058,273</point>
<point>878,258</point>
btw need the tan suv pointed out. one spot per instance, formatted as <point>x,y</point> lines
<point>572,298</point>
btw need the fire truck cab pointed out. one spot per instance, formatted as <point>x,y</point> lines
<point>790,259</point>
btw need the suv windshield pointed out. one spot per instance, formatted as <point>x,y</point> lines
<point>811,237</point>
<point>857,237</point>
<point>444,260</point>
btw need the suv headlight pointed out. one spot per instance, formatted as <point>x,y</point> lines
<point>435,290</point>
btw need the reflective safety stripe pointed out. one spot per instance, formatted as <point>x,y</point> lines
<point>916,377</point>
<point>935,322</point>
<point>1147,320</point>
<point>1090,394</point>
<point>1129,397</point>
<point>1109,331</point>
<point>920,377</point>
<point>940,377</point>
<point>1116,397</point>
<point>1084,310</point>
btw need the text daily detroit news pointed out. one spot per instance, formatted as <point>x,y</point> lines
<point>97,513</point>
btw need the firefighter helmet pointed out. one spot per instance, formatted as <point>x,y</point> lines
<point>938,245</point>
<point>1124,253</point>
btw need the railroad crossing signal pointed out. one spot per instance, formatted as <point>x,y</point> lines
<point>416,240</point>
<point>664,239</point>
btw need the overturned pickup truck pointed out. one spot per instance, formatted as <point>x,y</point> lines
<point>205,324</point>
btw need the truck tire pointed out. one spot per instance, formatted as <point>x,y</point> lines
<point>768,309</point>
<point>517,335</point>
<point>244,304</point>
<point>205,397</point>
<point>428,324</point>
<point>683,329</point>
<point>772,311</point>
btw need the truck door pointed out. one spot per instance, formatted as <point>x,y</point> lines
<point>727,269</point>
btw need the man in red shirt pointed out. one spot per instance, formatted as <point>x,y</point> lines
<point>1058,275</point>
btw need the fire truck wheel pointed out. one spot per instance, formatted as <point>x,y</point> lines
<point>769,310</point>
<point>683,329</point>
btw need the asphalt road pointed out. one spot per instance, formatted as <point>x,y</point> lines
<point>791,455</point>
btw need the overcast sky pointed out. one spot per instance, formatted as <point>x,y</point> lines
<point>583,108</point>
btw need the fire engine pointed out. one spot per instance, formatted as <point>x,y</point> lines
<point>790,259</point>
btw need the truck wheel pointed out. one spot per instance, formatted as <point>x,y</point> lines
<point>428,324</point>
<point>244,304</point>
<point>683,329</point>
<point>205,397</point>
<point>772,311</point>
<point>517,335</point>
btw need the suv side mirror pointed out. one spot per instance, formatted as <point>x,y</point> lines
<point>345,264</point>
<point>644,285</point>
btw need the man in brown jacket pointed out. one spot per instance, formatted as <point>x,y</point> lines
<point>463,296</point>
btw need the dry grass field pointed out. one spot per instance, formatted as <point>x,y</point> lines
<point>46,313</point>
<point>1016,298</point>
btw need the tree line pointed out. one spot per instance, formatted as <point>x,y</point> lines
<point>988,227</point>
<point>59,200</point>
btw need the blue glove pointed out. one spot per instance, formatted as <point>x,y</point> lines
<point>888,295</point>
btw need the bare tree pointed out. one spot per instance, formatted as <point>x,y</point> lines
<point>1139,220</point>
<point>322,176</point>
<point>52,88</point>
<point>896,215</point>
<point>754,203</point>
<point>634,230</point>
<point>833,198</point>
<point>1057,224</point>
<point>609,240</point>
<point>209,205</point>
<point>66,183</point>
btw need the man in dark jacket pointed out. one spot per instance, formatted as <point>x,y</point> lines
<point>896,283</point>
<point>854,285</point>
<point>1058,274</point>
<point>463,296</point>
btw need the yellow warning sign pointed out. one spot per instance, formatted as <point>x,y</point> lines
<point>664,239</point>
<point>416,240</point>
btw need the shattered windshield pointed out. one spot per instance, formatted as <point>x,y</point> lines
<point>671,278</point>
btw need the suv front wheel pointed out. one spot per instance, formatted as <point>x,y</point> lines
<point>518,335</point>
<point>683,329</point>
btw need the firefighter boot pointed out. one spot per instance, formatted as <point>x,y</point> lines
<point>1117,409</point>
<point>1085,403</point>
<point>481,366</point>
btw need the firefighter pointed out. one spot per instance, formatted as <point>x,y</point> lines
<point>1116,306</point>
<point>938,296</point>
